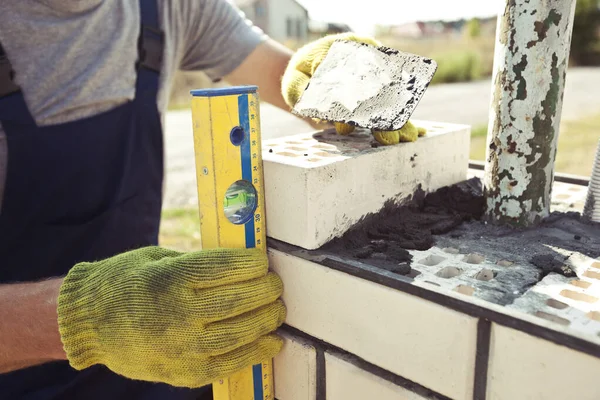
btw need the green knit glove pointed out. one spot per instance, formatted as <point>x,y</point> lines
<point>408,133</point>
<point>185,319</point>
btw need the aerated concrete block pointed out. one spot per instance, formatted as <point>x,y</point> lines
<point>295,369</point>
<point>522,366</point>
<point>408,336</point>
<point>346,381</point>
<point>319,185</point>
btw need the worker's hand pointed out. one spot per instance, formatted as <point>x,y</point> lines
<point>185,319</point>
<point>304,63</point>
<point>408,133</point>
<point>302,67</point>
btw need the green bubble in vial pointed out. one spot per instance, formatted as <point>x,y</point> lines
<point>240,202</point>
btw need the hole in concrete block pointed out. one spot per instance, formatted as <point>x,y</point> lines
<point>432,260</point>
<point>595,315</point>
<point>596,264</point>
<point>575,189</point>
<point>432,283</point>
<point>504,263</point>
<point>563,196</point>
<point>553,318</point>
<point>296,148</point>
<point>449,272</point>
<point>592,274</point>
<point>464,289</point>
<point>307,138</point>
<point>293,142</point>
<point>556,304</point>
<point>485,275</point>
<point>451,250</point>
<point>474,258</point>
<point>287,154</point>
<point>571,294</point>
<point>313,159</point>
<point>324,154</point>
<point>581,284</point>
<point>324,146</point>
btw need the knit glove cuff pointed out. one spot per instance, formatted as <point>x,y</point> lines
<point>76,318</point>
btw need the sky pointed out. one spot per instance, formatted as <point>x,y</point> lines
<point>367,13</point>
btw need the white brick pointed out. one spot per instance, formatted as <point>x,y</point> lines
<point>295,370</point>
<point>421,341</point>
<point>316,189</point>
<point>346,381</point>
<point>525,367</point>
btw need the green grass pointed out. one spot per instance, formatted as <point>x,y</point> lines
<point>180,229</point>
<point>577,144</point>
<point>459,59</point>
<point>457,67</point>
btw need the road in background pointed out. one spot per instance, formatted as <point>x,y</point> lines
<point>465,103</point>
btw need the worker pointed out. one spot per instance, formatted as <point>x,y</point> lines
<point>91,307</point>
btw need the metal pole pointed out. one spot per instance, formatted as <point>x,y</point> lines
<point>533,40</point>
<point>591,211</point>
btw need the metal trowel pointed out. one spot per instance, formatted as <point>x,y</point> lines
<point>366,86</point>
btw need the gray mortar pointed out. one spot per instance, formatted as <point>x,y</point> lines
<point>366,86</point>
<point>505,271</point>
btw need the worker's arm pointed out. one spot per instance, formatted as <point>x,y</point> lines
<point>29,329</point>
<point>264,67</point>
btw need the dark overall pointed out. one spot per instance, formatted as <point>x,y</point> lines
<point>82,191</point>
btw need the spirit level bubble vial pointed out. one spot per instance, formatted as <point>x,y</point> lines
<point>229,172</point>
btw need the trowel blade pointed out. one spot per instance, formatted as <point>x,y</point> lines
<point>366,86</point>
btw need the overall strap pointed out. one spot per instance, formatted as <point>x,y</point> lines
<point>13,109</point>
<point>150,52</point>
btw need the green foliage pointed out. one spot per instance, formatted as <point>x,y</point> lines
<point>586,26</point>
<point>457,67</point>
<point>479,131</point>
<point>473,28</point>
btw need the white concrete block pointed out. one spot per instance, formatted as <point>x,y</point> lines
<point>318,185</point>
<point>346,381</point>
<point>295,369</point>
<point>421,341</point>
<point>525,367</point>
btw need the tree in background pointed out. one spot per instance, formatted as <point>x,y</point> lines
<point>585,45</point>
<point>473,28</point>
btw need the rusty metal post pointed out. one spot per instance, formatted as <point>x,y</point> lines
<point>533,40</point>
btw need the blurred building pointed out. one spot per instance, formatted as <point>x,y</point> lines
<point>317,29</point>
<point>282,20</point>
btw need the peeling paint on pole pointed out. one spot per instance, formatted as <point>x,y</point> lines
<point>532,50</point>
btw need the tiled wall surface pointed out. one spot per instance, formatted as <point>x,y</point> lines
<point>522,366</point>
<point>464,350</point>
<point>318,185</point>
<point>346,380</point>
<point>408,336</point>
<point>295,369</point>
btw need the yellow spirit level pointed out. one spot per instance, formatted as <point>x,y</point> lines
<point>231,201</point>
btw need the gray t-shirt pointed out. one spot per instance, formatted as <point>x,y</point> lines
<point>75,58</point>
